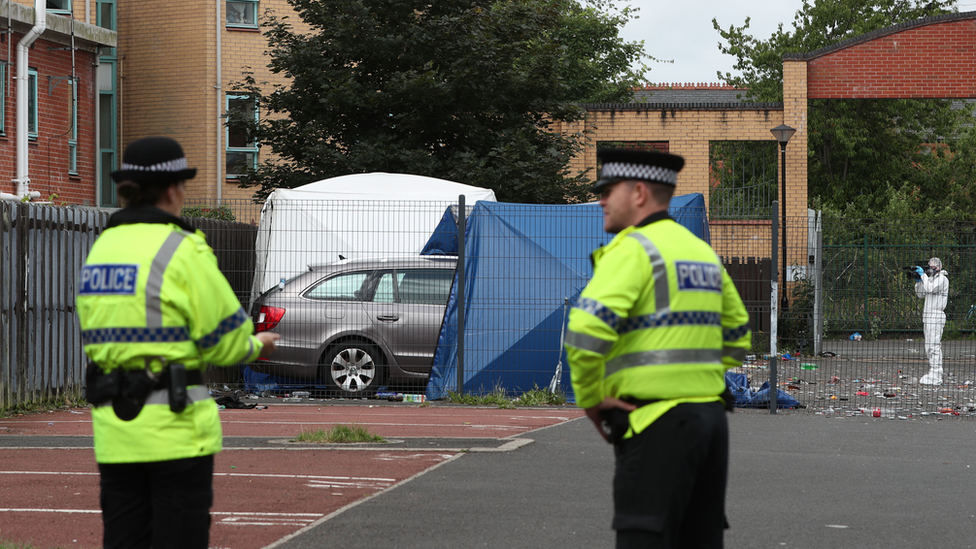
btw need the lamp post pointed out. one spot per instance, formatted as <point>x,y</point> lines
<point>783,133</point>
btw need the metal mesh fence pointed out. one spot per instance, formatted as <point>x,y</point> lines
<point>849,338</point>
<point>361,310</point>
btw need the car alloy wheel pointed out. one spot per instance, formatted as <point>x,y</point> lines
<point>352,368</point>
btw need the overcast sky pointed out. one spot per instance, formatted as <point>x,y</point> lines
<point>683,31</point>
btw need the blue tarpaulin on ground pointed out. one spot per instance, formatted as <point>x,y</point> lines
<point>525,266</point>
<point>747,397</point>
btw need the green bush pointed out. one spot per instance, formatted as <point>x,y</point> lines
<point>220,213</point>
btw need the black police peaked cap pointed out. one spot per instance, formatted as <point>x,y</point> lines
<point>630,164</point>
<point>154,161</point>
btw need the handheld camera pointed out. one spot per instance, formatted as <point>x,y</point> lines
<point>912,274</point>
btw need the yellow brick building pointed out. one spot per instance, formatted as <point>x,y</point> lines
<point>688,128</point>
<point>176,75</point>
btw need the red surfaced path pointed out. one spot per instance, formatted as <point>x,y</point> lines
<point>49,496</point>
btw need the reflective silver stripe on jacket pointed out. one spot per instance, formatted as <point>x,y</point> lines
<point>659,273</point>
<point>588,343</point>
<point>736,353</point>
<point>664,358</point>
<point>154,284</point>
<point>197,393</point>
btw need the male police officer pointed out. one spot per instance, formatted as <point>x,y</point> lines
<point>154,310</point>
<point>648,346</point>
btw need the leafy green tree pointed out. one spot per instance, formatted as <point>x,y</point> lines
<point>862,152</point>
<point>598,65</point>
<point>472,91</point>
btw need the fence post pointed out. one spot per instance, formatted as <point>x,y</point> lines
<point>818,285</point>
<point>866,328</point>
<point>774,315</point>
<point>462,222</point>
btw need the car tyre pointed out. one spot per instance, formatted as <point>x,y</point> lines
<point>352,369</point>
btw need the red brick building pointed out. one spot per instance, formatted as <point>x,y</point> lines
<point>61,161</point>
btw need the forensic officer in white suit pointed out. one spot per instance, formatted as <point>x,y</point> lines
<point>933,287</point>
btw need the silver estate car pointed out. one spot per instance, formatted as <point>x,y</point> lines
<point>356,325</point>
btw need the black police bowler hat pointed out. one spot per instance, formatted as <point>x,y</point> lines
<point>154,161</point>
<point>630,164</point>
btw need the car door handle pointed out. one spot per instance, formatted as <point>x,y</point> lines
<point>389,318</point>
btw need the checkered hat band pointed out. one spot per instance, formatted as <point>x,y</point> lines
<point>169,166</point>
<point>628,170</point>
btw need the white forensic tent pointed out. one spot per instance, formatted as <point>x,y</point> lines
<point>350,216</point>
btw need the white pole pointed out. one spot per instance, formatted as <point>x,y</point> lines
<point>23,78</point>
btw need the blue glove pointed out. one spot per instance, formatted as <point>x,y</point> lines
<point>919,271</point>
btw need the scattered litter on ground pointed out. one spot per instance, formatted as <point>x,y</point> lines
<point>864,383</point>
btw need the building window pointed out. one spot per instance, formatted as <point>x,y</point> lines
<point>59,6</point>
<point>32,103</point>
<point>73,132</point>
<point>3,97</point>
<point>242,154</point>
<point>242,13</point>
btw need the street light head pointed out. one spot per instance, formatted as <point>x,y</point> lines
<point>782,133</point>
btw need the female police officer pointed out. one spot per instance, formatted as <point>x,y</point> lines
<point>154,310</point>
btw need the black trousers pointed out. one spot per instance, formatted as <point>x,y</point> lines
<point>669,484</point>
<point>161,504</point>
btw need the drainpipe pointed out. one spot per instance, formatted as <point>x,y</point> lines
<point>220,105</point>
<point>40,24</point>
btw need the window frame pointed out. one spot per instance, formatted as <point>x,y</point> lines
<point>240,25</point>
<point>32,106</point>
<point>62,11</point>
<point>228,149</point>
<point>3,98</point>
<point>73,133</point>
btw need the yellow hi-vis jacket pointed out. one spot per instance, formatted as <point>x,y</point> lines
<point>660,320</point>
<point>151,288</point>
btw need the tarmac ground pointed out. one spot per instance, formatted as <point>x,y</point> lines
<point>796,481</point>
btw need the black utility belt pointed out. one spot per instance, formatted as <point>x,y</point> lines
<point>128,390</point>
<point>616,421</point>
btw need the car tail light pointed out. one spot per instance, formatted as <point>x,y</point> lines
<point>268,318</point>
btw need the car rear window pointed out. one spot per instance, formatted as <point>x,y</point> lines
<point>425,286</point>
<point>343,287</point>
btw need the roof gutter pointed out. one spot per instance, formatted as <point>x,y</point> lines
<point>40,24</point>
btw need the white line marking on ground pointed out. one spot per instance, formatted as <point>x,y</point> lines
<point>316,478</point>
<point>265,519</point>
<point>46,473</point>
<point>323,477</point>
<point>51,511</point>
<point>227,518</point>
<point>394,457</point>
<point>368,423</point>
<point>355,485</point>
